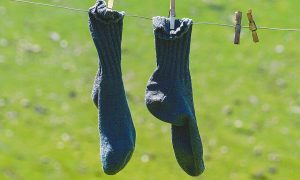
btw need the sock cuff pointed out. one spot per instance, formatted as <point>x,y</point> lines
<point>105,15</point>
<point>172,47</point>
<point>106,27</point>
<point>161,26</point>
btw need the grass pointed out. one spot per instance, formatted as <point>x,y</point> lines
<point>247,97</point>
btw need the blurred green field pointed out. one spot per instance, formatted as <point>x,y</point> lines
<point>247,97</point>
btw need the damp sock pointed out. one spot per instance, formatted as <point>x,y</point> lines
<point>169,94</point>
<point>117,133</point>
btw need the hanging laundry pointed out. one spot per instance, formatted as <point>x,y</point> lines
<point>117,133</point>
<point>169,94</point>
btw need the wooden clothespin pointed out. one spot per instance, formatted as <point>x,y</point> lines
<point>252,26</point>
<point>172,14</point>
<point>110,4</point>
<point>238,27</point>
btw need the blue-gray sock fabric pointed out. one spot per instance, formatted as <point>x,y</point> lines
<point>117,133</point>
<point>169,94</point>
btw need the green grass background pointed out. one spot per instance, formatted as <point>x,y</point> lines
<point>247,97</point>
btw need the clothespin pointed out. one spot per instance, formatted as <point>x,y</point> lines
<point>172,14</point>
<point>252,26</point>
<point>238,27</point>
<point>110,4</point>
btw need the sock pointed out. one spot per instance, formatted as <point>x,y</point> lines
<point>167,88</point>
<point>117,133</point>
<point>169,94</point>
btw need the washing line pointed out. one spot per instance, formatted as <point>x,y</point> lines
<point>149,18</point>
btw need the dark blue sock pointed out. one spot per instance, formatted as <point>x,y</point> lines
<point>117,133</point>
<point>169,94</point>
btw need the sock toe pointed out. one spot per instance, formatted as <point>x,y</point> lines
<point>188,149</point>
<point>193,170</point>
<point>115,161</point>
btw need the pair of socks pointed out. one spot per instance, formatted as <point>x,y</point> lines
<point>168,94</point>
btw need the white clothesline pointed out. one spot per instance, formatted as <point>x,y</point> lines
<point>149,18</point>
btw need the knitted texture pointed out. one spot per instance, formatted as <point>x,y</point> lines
<point>169,95</point>
<point>117,133</point>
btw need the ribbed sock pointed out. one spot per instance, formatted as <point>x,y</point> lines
<point>117,133</point>
<point>169,94</point>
